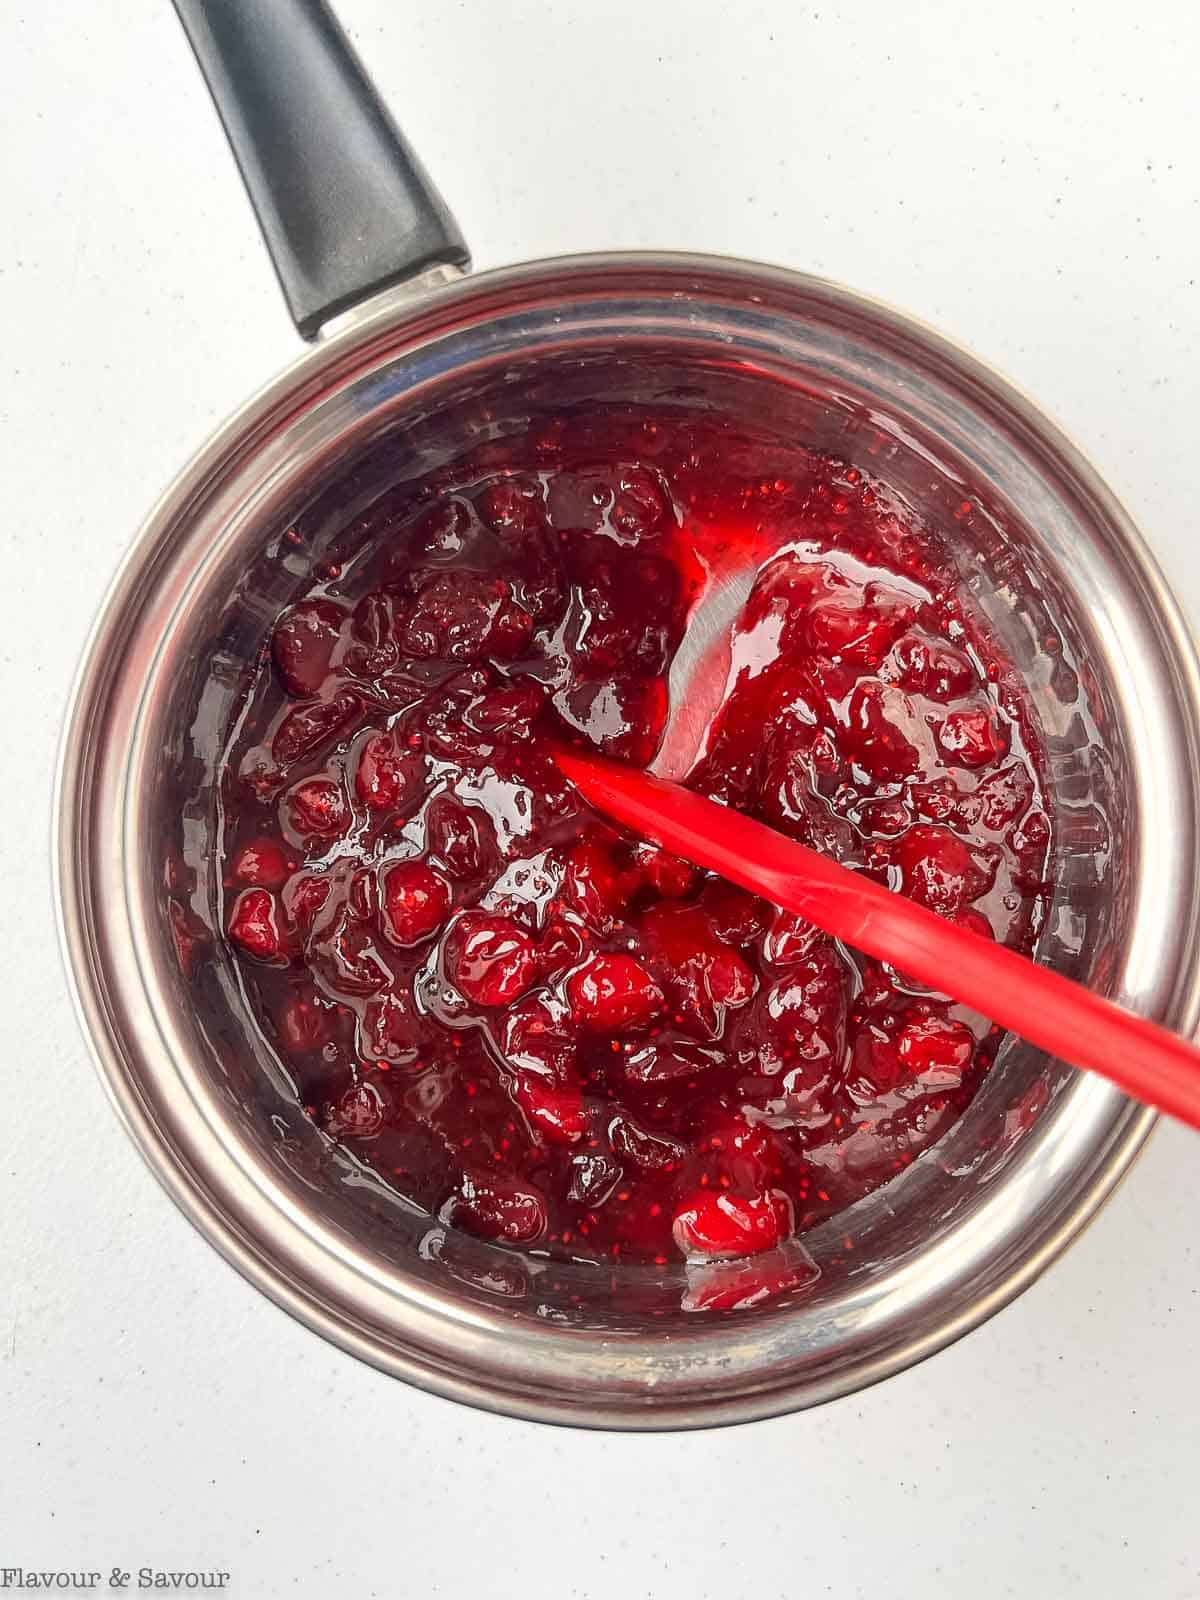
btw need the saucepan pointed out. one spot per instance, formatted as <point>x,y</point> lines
<point>412,355</point>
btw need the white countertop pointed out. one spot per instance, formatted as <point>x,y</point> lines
<point>1028,178</point>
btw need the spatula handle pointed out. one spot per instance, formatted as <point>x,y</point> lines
<point>344,205</point>
<point>1050,1011</point>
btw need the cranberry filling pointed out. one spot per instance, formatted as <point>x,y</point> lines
<point>540,1028</point>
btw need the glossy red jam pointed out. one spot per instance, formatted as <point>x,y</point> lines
<point>539,1028</point>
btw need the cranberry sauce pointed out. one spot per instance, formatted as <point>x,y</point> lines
<point>539,1028</point>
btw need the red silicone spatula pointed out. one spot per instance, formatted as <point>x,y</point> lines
<point>1050,1011</point>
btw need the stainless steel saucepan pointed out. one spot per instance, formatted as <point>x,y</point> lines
<point>412,357</point>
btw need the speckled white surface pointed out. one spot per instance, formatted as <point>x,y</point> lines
<point>1027,177</point>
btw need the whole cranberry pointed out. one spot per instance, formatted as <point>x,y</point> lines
<point>374,625</point>
<point>460,836</point>
<point>802,1017</point>
<point>304,895</point>
<point>613,991</point>
<point>537,1041</point>
<point>747,1153</point>
<point>942,800</point>
<point>876,739</point>
<point>973,738</point>
<point>303,645</point>
<point>494,1208</point>
<point>592,885</point>
<point>717,1222</point>
<point>856,629</point>
<point>415,902</point>
<point>939,869</point>
<point>930,667</point>
<point>490,959</point>
<point>309,728</point>
<point>508,712</point>
<point>557,1114</point>
<point>318,806</point>
<point>466,616</point>
<point>935,1051</point>
<point>254,925</point>
<point>702,976</point>
<point>642,1148</point>
<point>261,864</point>
<point>385,779</point>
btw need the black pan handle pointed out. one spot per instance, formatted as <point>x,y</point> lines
<point>344,205</point>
